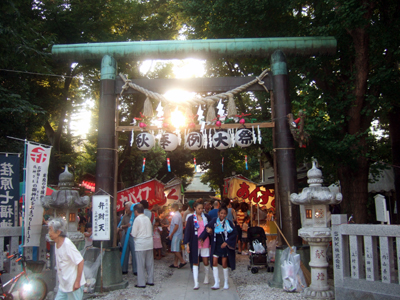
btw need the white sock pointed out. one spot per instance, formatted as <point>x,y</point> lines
<point>226,278</point>
<point>216,279</point>
<point>207,273</point>
<point>196,277</point>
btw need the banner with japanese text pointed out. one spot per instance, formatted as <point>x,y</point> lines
<point>37,165</point>
<point>9,189</point>
<point>244,190</point>
<point>152,191</point>
<point>173,194</point>
<point>101,218</point>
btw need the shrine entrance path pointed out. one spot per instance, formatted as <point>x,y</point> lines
<point>180,286</point>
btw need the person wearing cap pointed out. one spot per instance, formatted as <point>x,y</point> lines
<point>189,212</point>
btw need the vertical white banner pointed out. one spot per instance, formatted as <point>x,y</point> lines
<point>101,218</point>
<point>37,165</point>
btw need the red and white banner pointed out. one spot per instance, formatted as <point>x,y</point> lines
<point>37,165</point>
<point>152,191</point>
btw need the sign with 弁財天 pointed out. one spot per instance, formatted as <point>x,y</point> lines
<point>101,217</point>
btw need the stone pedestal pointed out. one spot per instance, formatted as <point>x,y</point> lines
<point>315,216</point>
<point>319,288</point>
<point>112,272</point>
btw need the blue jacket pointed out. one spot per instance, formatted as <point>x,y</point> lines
<point>231,241</point>
<point>192,239</point>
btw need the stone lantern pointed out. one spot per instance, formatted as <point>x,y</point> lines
<point>66,203</point>
<point>314,204</point>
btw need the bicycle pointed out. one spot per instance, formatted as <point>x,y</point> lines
<point>32,288</point>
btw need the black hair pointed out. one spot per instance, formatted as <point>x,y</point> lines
<point>88,225</point>
<point>139,208</point>
<point>223,207</point>
<point>225,202</point>
<point>197,203</point>
<point>244,207</point>
<point>145,204</point>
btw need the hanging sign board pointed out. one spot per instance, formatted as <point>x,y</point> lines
<point>101,218</point>
<point>9,189</point>
<point>244,190</point>
<point>37,165</point>
<point>152,191</point>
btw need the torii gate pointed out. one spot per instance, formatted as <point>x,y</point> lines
<point>277,82</point>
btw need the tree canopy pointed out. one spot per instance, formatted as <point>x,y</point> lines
<point>341,95</point>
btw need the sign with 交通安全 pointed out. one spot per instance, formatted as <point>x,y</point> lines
<point>101,217</point>
<point>9,189</point>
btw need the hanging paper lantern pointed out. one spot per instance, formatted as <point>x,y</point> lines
<point>194,141</point>
<point>221,140</point>
<point>144,141</point>
<point>244,137</point>
<point>169,141</point>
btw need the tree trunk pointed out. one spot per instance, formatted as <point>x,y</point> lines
<point>394,129</point>
<point>354,183</point>
<point>354,178</point>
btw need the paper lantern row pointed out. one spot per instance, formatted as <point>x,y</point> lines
<point>220,140</point>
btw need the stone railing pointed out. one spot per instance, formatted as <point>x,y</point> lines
<point>366,260</point>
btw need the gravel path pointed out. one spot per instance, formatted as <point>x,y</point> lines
<point>248,285</point>
<point>255,286</point>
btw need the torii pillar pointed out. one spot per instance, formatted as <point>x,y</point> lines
<point>202,49</point>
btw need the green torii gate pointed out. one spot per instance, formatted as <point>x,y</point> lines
<point>201,49</point>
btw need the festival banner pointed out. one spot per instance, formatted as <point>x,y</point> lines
<point>152,191</point>
<point>37,165</point>
<point>173,193</point>
<point>245,190</point>
<point>9,189</point>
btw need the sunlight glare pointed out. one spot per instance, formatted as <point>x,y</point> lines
<point>177,118</point>
<point>178,96</point>
<point>186,68</point>
<point>80,123</point>
<point>189,68</point>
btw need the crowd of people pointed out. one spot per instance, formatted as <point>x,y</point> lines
<point>210,231</point>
